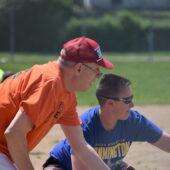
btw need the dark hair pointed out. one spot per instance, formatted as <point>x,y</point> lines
<point>110,85</point>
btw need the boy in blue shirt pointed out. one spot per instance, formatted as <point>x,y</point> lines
<point>110,129</point>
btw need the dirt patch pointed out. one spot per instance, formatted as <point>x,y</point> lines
<point>143,156</point>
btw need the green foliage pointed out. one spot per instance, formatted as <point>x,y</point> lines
<point>2,4</point>
<point>38,24</point>
<point>118,32</point>
<point>44,25</point>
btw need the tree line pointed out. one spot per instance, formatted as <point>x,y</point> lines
<point>44,25</point>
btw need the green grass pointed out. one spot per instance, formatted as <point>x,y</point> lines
<point>150,82</point>
<point>150,79</point>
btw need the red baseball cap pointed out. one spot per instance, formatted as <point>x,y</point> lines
<point>84,50</point>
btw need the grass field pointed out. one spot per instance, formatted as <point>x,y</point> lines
<point>150,76</point>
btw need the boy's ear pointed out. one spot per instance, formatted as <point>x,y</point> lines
<point>110,102</point>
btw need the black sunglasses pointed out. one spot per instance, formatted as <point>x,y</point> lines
<point>126,100</point>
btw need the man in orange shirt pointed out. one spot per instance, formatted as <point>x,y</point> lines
<point>34,100</point>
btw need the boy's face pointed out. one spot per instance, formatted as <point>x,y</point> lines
<point>121,108</point>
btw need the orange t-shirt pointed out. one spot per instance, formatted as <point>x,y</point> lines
<point>40,93</point>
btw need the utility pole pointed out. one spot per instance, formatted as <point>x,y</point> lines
<point>151,34</point>
<point>86,7</point>
<point>11,5</point>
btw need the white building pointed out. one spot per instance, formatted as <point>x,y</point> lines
<point>141,4</point>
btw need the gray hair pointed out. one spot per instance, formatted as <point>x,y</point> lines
<point>66,63</point>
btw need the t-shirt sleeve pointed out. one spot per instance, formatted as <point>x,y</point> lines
<point>70,116</point>
<point>144,129</point>
<point>88,127</point>
<point>36,103</point>
<point>89,136</point>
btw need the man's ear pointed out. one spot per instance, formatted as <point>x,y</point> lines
<point>78,68</point>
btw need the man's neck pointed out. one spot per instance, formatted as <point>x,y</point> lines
<point>107,122</point>
<point>66,77</point>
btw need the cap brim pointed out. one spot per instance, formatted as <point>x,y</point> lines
<point>105,63</point>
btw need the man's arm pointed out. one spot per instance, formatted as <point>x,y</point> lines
<point>16,136</point>
<point>83,151</point>
<point>164,142</point>
<point>77,164</point>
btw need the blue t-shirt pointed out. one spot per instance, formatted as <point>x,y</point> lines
<point>111,145</point>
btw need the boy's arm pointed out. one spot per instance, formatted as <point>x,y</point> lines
<point>164,142</point>
<point>82,150</point>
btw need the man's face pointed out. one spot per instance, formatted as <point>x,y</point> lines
<point>88,74</point>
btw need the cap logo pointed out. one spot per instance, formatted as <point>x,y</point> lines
<point>99,53</point>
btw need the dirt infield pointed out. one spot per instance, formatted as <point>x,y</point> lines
<point>143,156</point>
